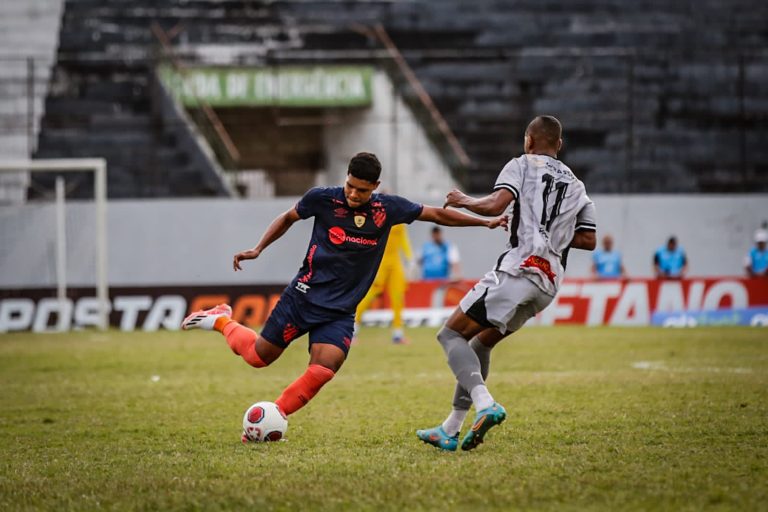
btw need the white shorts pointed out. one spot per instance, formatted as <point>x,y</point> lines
<point>504,301</point>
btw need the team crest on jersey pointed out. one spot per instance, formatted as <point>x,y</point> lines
<point>379,216</point>
<point>359,220</point>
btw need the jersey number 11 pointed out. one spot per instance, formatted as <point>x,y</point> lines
<point>560,188</point>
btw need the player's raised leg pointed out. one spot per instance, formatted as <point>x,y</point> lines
<point>245,342</point>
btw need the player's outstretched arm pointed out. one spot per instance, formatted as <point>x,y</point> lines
<point>586,240</point>
<point>491,205</point>
<point>446,217</point>
<point>276,229</point>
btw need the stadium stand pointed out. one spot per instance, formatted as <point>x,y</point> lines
<point>656,96</point>
<point>28,37</point>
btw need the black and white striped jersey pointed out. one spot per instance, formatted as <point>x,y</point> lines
<point>550,205</point>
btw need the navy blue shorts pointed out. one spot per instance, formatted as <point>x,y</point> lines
<point>293,316</point>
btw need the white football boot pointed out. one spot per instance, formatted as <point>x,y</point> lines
<point>206,318</point>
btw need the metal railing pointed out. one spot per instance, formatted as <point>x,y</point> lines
<point>205,116</point>
<point>21,74</point>
<point>423,107</point>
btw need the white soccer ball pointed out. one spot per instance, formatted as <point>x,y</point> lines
<point>264,421</point>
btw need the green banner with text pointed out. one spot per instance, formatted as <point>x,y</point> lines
<point>286,86</point>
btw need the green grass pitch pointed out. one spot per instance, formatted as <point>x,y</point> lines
<point>599,419</point>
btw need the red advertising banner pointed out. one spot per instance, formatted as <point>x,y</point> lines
<point>579,302</point>
<point>619,302</point>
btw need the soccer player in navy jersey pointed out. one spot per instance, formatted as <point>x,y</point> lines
<point>352,224</point>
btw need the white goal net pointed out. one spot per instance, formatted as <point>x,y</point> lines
<point>53,254</point>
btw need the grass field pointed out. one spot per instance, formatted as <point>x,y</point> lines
<point>601,419</point>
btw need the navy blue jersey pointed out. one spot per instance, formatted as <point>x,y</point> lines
<point>347,245</point>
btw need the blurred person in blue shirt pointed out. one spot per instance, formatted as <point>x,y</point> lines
<point>756,262</point>
<point>606,263</point>
<point>670,260</point>
<point>439,259</point>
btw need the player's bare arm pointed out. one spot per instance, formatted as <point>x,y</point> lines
<point>586,240</point>
<point>276,229</point>
<point>491,205</point>
<point>447,217</point>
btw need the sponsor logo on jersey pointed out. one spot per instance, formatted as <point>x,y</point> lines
<point>338,236</point>
<point>541,264</point>
<point>303,288</point>
<point>359,220</point>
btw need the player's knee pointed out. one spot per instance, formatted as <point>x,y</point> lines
<point>330,363</point>
<point>479,347</point>
<point>327,356</point>
<point>267,352</point>
<point>445,334</point>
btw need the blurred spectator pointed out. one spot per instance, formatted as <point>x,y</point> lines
<point>438,258</point>
<point>756,262</point>
<point>670,260</point>
<point>762,230</point>
<point>606,263</point>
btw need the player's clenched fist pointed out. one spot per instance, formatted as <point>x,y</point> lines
<point>455,198</point>
<point>250,254</point>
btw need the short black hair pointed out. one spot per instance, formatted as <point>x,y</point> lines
<point>547,128</point>
<point>436,229</point>
<point>365,166</point>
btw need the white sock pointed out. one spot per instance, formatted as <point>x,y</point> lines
<point>397,334</point>
<point>452,424</point>
<point>481,397</point>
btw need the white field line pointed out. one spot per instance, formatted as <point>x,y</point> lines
<point>661,366</point>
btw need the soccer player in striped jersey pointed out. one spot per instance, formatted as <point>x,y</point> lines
<point>351,227</point>
<point>550,212</point>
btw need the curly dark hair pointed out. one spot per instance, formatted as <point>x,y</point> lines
<point>365,166</point>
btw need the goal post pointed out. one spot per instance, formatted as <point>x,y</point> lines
<point>98,166</point>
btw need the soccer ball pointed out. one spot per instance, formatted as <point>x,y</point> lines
<point>264,421</point>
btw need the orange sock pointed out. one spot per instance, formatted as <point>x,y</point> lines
<point>303,389</point>
<point>240,339</point>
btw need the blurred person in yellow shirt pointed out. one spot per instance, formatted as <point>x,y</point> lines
<point>391,277</point>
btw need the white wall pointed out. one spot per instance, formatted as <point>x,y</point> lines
<point>411,165</point>
<point>167,242</point>
<point>715,230</point>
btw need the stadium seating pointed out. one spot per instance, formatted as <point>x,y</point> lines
<point>656,96</point>
<point>28,35</point>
